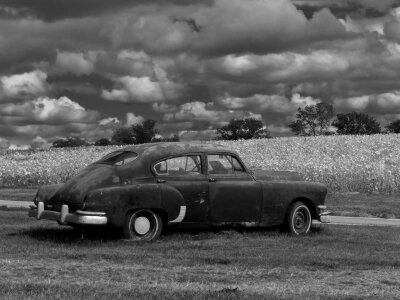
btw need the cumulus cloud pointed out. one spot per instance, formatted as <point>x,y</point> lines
<point>23,85</point>
<point>286,66</point>
<point>109,121</point>
<point>47,111</point>
<point>132,119</point>
<point>267,103</point>
<point>142,90</point>
<point>386,103</point>
<point>74,63</point>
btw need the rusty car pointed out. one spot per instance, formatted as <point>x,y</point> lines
<point>144,188</point>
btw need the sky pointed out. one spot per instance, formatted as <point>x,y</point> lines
<point>84,67</point>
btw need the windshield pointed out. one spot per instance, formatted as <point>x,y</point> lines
<point>118,158</point>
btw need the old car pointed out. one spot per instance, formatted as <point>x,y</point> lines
<point>145,188</point>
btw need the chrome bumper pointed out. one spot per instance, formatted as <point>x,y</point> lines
<point>64,217</point>
<point>323,214</point>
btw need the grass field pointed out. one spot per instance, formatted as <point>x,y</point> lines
<point>363,164</point>
<point>40,260</point>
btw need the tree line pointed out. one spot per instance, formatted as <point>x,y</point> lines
<point>319,119</point>
<point>312,120</point>
<point>145,132</point>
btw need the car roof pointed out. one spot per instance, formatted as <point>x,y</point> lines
<point>154,151</point>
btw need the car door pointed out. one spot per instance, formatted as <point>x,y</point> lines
<point>235,197</point>
<point>185,174</point>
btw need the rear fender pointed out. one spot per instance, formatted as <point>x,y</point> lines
<point>116,202</point>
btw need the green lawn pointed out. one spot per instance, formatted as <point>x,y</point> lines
<point>40,260</point>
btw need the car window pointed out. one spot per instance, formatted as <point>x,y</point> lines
<point>179,166</point>
<point>118,158</point>
<point>223,164</point>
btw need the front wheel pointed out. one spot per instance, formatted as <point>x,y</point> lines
<point>299,219</point>
<point>142,225</point>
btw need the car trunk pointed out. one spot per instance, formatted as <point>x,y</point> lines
<point>73,192</point>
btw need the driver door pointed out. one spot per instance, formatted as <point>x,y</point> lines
<point>235,197</point>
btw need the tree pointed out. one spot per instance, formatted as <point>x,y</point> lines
<point>144,132</point>
<point>70,142</point>
<point>356,123</point>
<point>243,129</point>
<point>313,120</point>
<point>393,127</point>
<point>123,136</point>
<point>103,142</point>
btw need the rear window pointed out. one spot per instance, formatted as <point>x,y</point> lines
<point>118,158</point>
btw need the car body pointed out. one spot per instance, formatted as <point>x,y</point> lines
<point>143,188</point>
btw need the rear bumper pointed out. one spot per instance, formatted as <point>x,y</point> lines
<point>323,214</point>
<point>64,217</point>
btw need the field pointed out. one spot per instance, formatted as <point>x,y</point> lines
<point>364,164</point>
<point>40,260</point>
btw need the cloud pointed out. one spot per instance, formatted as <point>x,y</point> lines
<point>286,66</point>
<point>47,111</point>
<point>142,90</point>
<point>386,103</point>
<point>267,103</point>
<point>23,85</point>
<point>132,119</point>
<point>109,121</point>
<point>392,26</point>
<point>343,8</point>
<point>206,115</point>
<point>74,63</point>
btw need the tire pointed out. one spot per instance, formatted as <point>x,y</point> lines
<point>142,225</point>
<point>299,219</point>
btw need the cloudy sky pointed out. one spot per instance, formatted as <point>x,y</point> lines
<point>82,67</point>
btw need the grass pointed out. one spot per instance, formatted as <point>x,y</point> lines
<point>20,194</point>
<point>364,205</point>
<point>40,260</point>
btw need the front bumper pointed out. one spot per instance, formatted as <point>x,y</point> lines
<point>65,217</point>
<point>323,214</point>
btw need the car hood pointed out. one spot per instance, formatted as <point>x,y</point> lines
<point>266,175</point>
<point>75,189</point>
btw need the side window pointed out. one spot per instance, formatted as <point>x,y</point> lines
<point>223,164</point>
<point>177,166</point>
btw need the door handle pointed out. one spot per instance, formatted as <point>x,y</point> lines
<point>212,179</point>
<point>161,181</point>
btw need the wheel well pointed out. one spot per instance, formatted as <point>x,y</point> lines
<point>309,204</point>
<point>162,213</point>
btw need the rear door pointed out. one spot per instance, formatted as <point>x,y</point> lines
<point>185,174</point>
<point>235,197</point>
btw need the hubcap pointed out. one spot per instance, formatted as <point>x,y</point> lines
<point>300,220</point>
<point>142,225</point>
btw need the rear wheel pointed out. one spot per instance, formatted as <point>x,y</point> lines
<point>142,225</point>
<point>299,219</point>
